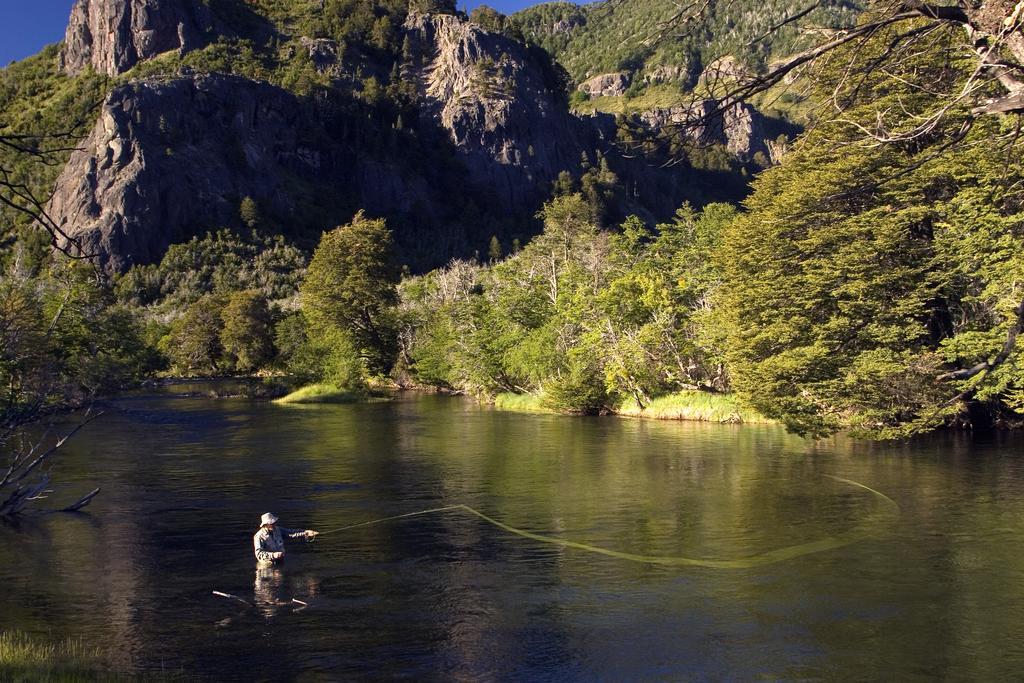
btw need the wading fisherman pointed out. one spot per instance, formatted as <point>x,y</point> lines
<point>268,542</point>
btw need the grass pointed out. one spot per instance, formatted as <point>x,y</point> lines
<point>320,393</point>
<point>25,659</point>
<point>700,406</point>
<point>521,403</point>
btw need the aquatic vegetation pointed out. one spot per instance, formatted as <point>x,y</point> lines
<point>700,406</point>
<point>320,393</point>
<point>522,403</point>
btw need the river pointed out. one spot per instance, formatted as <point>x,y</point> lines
<point>834,560</point>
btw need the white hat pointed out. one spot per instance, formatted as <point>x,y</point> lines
<point>268,518</point>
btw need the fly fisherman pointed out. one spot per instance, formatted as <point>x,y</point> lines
<point>268,542</point>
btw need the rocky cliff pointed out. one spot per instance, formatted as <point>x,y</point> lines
<point>741,128</point>
<point>502,111</point>
<point>486,132</point>
<point>167,159</point>
<point>112,36</point>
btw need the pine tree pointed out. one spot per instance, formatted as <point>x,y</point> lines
<point>494,249</point>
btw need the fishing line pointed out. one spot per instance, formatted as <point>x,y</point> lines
<point>867,528</point>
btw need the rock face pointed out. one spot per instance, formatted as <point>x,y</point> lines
<point>741,127</point>
<point>171,158</point>
<point>606,85</point>
<point>666,73</point>
<point>323,52</point>
<point>112,36</point>
<point>167,159</point>
<point>502,112</point>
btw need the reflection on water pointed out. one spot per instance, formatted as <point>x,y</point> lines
<point>936,592</point>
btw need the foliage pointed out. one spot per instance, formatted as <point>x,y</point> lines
<point>218,263</point>
<point>579,316</point>
<point>863,272</point>
<point>63,339</point>
<point>193,343</point>
<point>246,335</point>
<point>604,36</point>
<point>349,292</point>
<point>37,101</point>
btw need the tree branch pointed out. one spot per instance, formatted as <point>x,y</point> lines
<point>999,358</point>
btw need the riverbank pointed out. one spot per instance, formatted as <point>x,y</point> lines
<point>698,406</point>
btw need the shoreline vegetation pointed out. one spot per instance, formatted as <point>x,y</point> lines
<point>689,405</point>
<point>24,658</point>
<point>876,315</point>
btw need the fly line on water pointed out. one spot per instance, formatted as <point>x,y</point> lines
<point>868,527</point>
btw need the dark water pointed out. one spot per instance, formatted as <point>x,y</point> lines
<point>936,592</point>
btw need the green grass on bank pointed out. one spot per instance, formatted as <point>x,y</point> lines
<point>26,659</point>
<point>521,403</point>
<point>699,406</point>
<point>320,393</point>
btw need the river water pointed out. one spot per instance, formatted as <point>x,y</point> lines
<point>801,572</point>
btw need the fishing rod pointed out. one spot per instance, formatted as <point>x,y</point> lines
<point>222,594</point>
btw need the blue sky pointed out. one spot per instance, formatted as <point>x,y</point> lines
<point>26,26</point>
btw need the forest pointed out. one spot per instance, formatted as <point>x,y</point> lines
<point>871,281</point>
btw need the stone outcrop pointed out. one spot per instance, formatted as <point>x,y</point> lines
<point>323,52</point>
<point>168,159</point>
<point>726,68</point>
<point>606,85</point>
<point>740,128</point>
<point>503,114</point>
<point>112,36</point>
<point>666,73</point>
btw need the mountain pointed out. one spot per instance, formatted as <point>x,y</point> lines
<point>454,130</point>
<point>623,36</point>
<point>174,155</point>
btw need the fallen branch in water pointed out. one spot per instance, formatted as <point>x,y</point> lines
<point>24,464</point>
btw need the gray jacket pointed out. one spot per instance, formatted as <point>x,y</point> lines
<point>266,542</point>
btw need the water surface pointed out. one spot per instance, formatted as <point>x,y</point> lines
<point>935,590</point>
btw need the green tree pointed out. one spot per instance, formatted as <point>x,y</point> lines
<point>249,212</point>
<point>246,333</point>
<point>494,249</point>
<point>350,288</point>
<point>194,341</point>
<point>864,276</point>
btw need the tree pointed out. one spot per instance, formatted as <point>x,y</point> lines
<point>350,288</point>
<point>494,249</point>
<point>61,343</point>
<point>249,212</point>
<point>194,342</point>
<point>992,31</point>
<point>890,310</point>
<point>246,333</point>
